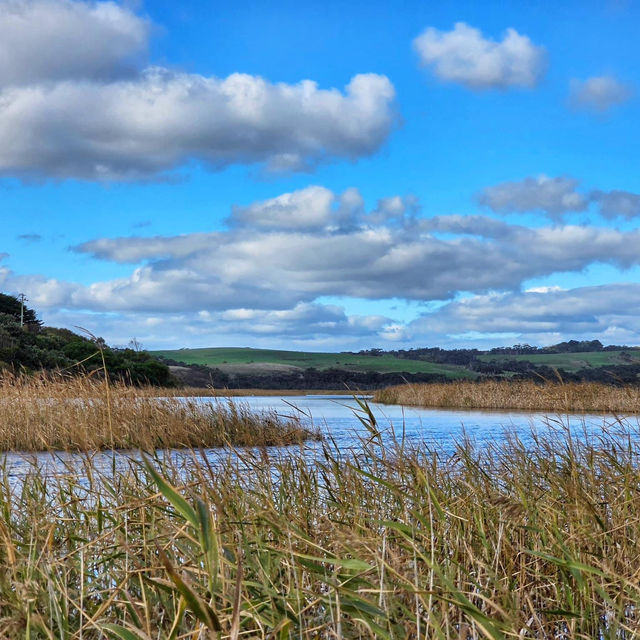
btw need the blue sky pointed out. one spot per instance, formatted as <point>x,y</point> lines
<point>322,175</point>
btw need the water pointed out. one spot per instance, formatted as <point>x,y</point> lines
<point>334,416</point>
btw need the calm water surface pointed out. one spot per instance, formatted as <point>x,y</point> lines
<point>334,416</point>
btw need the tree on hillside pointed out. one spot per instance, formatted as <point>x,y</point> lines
<point>11,306</point>
<point>50,349</point>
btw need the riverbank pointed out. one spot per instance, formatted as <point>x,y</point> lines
<point>580,397</point>
<point>209,392</point>
<point>395,542</point>
<point>79,414</point>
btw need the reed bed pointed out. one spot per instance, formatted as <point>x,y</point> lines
<point>80,413</point>
<point>579,397</point>
<point>388,541</point>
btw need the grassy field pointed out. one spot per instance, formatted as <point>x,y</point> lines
<point>578,397</point>
<point>571,361</point>
<point>394,542</point>
<point>384,364</point>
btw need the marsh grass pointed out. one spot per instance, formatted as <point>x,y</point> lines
<point>77,413</point>
<point>385,541</point>
<point>578,397</point>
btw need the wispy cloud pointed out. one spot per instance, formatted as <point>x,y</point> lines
<point>557,197</point>
<point>30,237</point>
<point>599,93</point>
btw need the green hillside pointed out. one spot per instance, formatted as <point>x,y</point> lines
<point>571,361</point>
<point>219,357</point>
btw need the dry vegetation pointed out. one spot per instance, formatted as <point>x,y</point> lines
<point>577,397</point>
<point>44,413</point>
<point>393,542</point>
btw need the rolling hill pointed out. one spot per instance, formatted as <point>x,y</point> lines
<point>234,359</point>
<point>570,361</point>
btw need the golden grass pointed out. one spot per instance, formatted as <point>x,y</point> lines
<point>580,397</point>
<point>43,413</point>
<point>510,541</point>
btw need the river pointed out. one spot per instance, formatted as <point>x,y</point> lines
<point>335,417</point>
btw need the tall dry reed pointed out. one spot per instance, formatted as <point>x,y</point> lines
<point>41,413</point>
<point>577,397</point>
<point>387,541</point>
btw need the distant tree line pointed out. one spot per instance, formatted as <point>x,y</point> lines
<point>462,357</point>
<point>336,379</point>
<point>465,357</point>
<point>195,375</point>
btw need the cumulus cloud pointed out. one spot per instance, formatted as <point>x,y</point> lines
<point>50,40</point>
<point>463,55</point>
<point>316,207</point>
<point>265,274</point>
<point>609,312</point>
<point>139,128</point>
<point>617,203</point>
<point>280,265</point>
<point>553,196</point>
<point>599,93</point>
<point>307,325</point>
<point>73,104</point>
<point>304,209</point>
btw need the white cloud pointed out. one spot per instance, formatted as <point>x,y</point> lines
<point>546,289</point>
<point>75,102</point>
<point>608,312</point>
<point>315,208</point>
<point>304,209</point>
<point>599,93</point>
<point>260,268</point>
<point>465,56</point>
<point>51,40</point>
<point>553,196</point>
<point>303,324</point>
<point>140,128</point>
<point>265,278</point>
